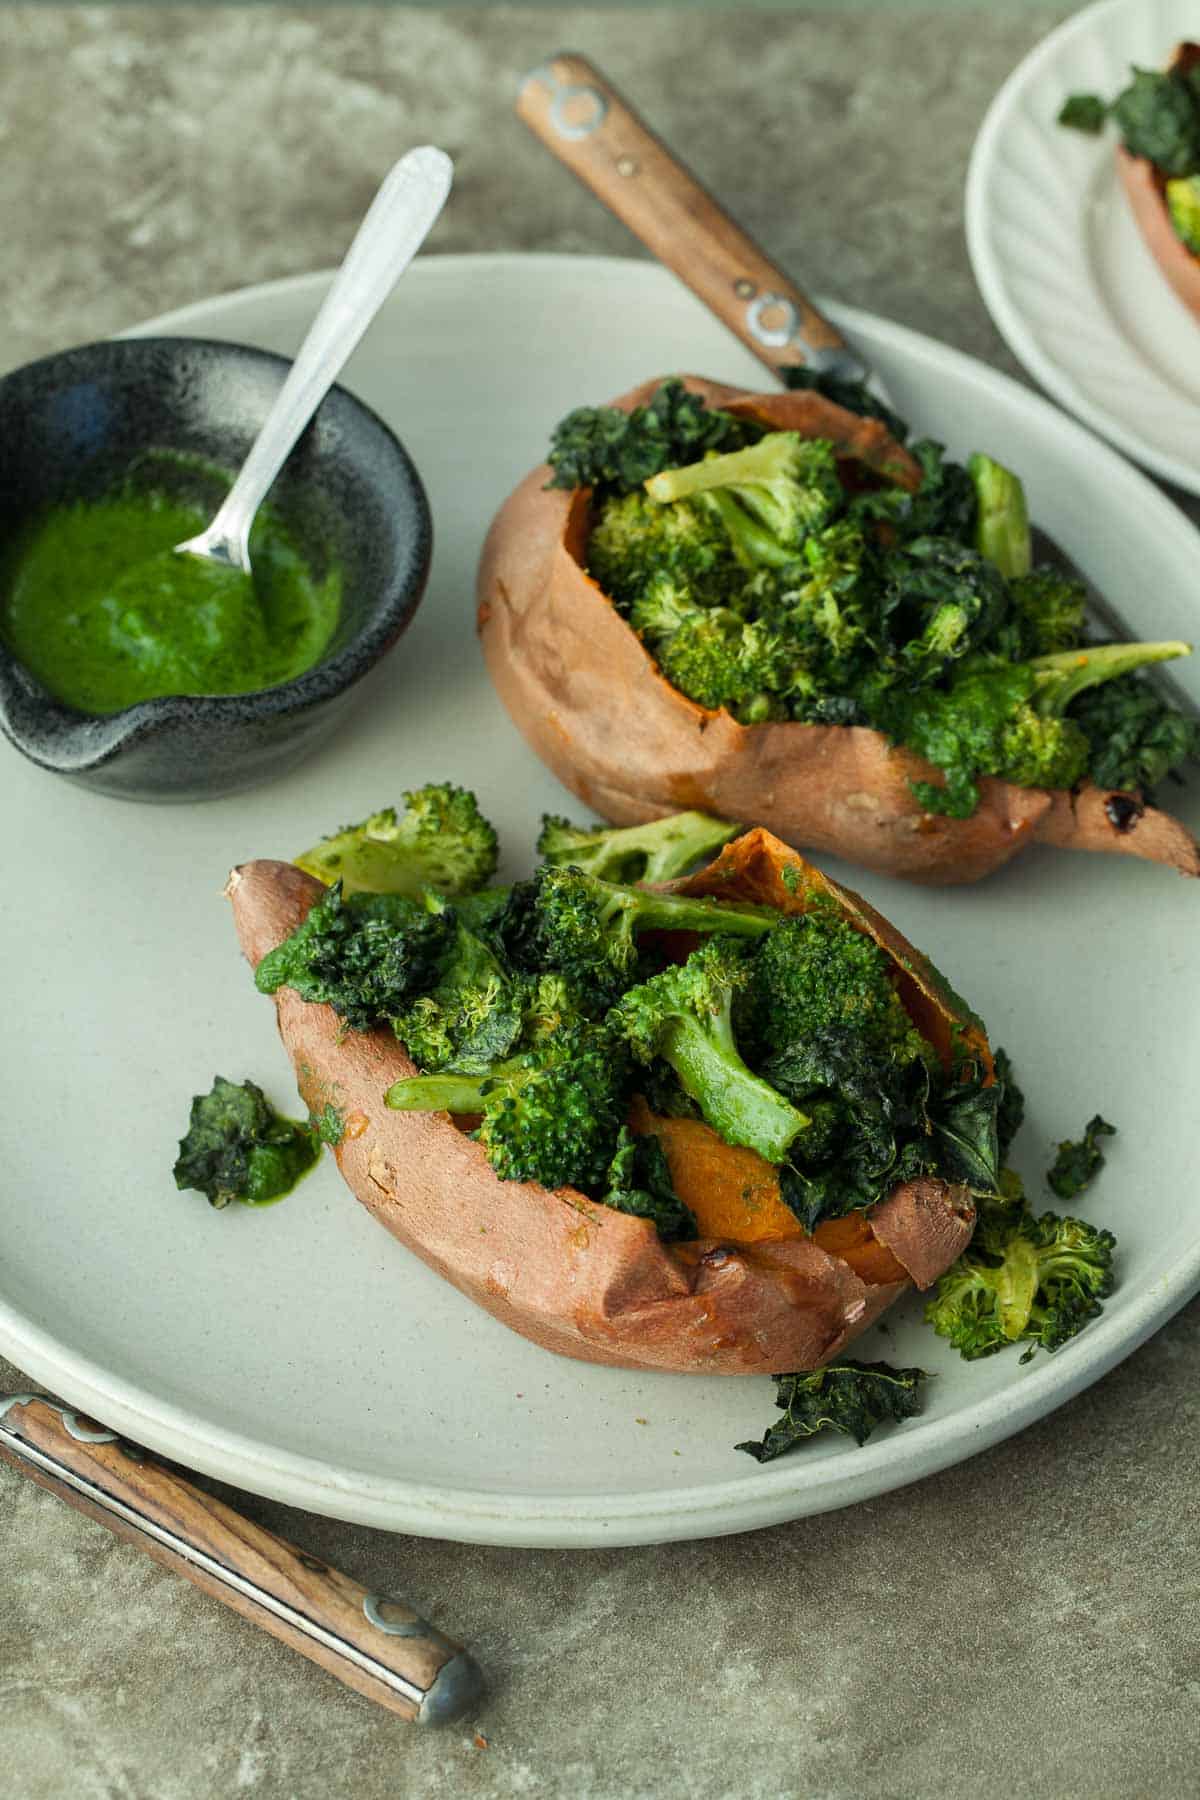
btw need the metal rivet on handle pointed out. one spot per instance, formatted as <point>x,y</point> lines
<point>774,336</point>
<point>627,165</point>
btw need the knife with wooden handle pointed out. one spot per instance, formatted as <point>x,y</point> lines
<point>375,1644</point>
<point>580,116</point>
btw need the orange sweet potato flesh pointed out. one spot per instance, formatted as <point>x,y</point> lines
<point>572,1275</point>
<point>1145,189</point>
<point>581,686</point>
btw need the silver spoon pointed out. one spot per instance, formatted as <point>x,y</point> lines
<point>396,224</point>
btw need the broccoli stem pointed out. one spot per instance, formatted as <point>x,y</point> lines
<point>439,1093</point>
<point>738,1105</point>
<point>770,458</point>
<point>1002,532</point>
<point>678,912</point>
<point>1061,677</point>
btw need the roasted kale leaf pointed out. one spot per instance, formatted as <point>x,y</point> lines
<point>604,448</point>
<point>851,1397</point>
<point>1077,1164</point>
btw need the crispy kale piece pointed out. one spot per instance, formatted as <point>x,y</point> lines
<point>1135,737</point>
<point>237,1147</point>
<point>586,929</point>
<point>1002,532</point>
<point>441,840</point>
<point>1077,1164</point>
<point>1011,1112</point>
<point>472,1014</point>
<point>1022,1279</point>
<point>1157,114</point>
<point>940,601</point>
<point>685,1016</point>
<point>945,504</point>
<point>855,396</point>
<point>601,447</point>
<point>366,956</point>
<point>769,496</point>
<point>552,1114</point>
<point>658,851</point>
<point>847,1396</point>
<point>1083,112</point>
<point>639,1182</point>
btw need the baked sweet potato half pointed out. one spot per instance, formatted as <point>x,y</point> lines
<point>754,1292</point>
<point>581,685</point>
<point>1145,187</point>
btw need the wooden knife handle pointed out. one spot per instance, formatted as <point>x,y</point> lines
<point>374,1644</point>
<point>581,117</point>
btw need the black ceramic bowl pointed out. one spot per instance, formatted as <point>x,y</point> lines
<point>70,427</point>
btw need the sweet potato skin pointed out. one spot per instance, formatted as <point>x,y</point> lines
<point>573,1276</point>
<point>1145,191</point>
<point>583,690</point>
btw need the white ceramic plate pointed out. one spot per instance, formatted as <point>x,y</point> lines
<point>1058,258</point>
<point>300,1351</point>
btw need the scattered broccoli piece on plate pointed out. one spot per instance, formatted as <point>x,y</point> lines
<point>237,1147</point>
<point>847,1396</point>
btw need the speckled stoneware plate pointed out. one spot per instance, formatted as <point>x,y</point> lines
<point>299,1350</point>
<point>1058,258</point>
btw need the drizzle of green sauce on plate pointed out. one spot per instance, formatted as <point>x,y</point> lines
<point>98,608</point>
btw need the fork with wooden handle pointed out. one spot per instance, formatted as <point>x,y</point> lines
<point>374,1644</point>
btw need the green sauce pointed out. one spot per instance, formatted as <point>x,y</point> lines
<point>97,607</point>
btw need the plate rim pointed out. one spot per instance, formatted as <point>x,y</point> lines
<point>988,265</point>
<point>757,1498</point>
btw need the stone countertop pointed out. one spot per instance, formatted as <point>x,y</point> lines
<point>1026,1620</point>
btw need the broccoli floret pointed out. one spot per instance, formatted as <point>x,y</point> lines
<point>718,660</point>
<point>814,972</point>
<point>238,1147</point>
<point>634,539</point>
<point>1183,204</point>
<point>685,1016</point>
<point>1048,611</point>
<point>768,496</point>
<point>659,851</point>
<point>551,1115</point>
<point>1023,1278</point>
<point>851,1397</point>
<point>587,929</point>
<point>1135,738</point>
<point>821,610</point>
<point>1002,532</point>
<point>639,1182</point>
<point>366,956</point>
<point>1009,721</point>
<point>604,448</point>
<point>1077,1164</point>
<point>440,841</point>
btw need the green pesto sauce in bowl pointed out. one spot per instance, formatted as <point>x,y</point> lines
<point>95,605</point>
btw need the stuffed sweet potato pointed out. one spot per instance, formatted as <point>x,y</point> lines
<point>1166,207</point>
<point>742,1285</point>
<point>582,684</point>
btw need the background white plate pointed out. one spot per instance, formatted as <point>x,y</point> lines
<point>300,1351</point>
<point>1061,264</point>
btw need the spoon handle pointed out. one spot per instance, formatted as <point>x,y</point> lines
<point>395,226</point>
<point>375,1644</point>
<point>580,116</point>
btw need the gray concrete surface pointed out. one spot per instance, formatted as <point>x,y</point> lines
<point>1025,1623</point>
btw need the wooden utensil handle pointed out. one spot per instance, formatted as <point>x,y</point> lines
<point>374,1644</point>
<point>580,116</point>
